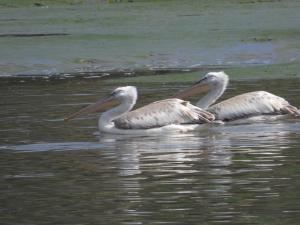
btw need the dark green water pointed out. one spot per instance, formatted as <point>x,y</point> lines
<point>54,172</point>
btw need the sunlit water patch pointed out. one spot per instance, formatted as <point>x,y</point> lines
<point>66,146</point>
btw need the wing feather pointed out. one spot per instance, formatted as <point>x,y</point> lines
<point>161,113</point>
<point>247,105</point>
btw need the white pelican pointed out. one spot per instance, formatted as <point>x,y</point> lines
<point>242,106</point>
<point>169,114</point>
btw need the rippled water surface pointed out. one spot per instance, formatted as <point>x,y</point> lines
<point>54,172</point>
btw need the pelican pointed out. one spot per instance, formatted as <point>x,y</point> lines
<point>242,106</point>
<point>166,115</point>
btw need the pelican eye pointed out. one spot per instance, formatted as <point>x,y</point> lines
<point>116,92</point>
<point>201,80</point>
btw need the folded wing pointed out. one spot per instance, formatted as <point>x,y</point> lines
<point>162,113</point>
<point>251,104</point>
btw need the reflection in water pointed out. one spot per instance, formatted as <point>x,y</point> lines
<point>205,166</point>
<point>59,173</point>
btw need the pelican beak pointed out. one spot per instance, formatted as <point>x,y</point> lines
<point>199,87</point>
<point>98,106</point>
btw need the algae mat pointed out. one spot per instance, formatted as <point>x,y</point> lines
<point>96,36</point>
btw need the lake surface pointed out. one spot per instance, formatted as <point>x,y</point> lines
<point>54,172</point>
<point>55,59</point>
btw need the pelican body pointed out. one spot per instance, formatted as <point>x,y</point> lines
<point>169,114</point>
<point>242,106</point>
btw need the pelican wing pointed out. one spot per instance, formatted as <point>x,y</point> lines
<point>161,113</point>
<point>249,104</point>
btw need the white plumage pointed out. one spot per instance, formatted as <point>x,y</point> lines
<point>248,105</point>
<point>161,113</point>
<point>239,107</point>
<point>161,116</point>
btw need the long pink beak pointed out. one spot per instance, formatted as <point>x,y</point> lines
<point>95,107</point>
<point>196,89</point>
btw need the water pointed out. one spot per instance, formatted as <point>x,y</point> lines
<point>54,172</point>
<point>146,36</point>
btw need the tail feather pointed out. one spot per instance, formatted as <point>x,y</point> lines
<point>289,109</point>
<point>205,116</point>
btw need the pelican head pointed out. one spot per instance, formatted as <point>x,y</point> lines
<point>122,95</point>
<point>213,84</point>
<point>211,81</point>
<point>215,78</point>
